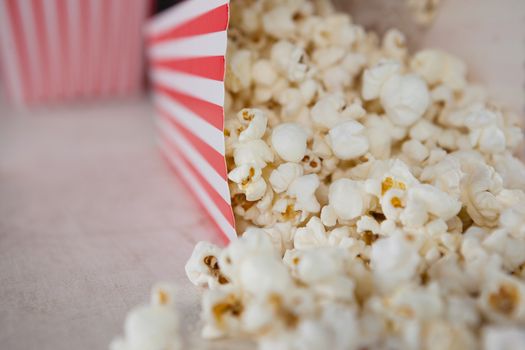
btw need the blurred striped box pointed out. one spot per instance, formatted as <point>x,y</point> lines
<point>60,50</point>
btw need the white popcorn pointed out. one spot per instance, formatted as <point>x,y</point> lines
<point>326,57</point>
<point>289,141</point>
<point>394,261</point>
<point>348,199</point>
<point>511,170</point>
<point>394,44</point>
<point>375,78</point>
<point>239,70</point>
<point>154,326</point>
<point>248,179</point>
<point>263,72</point>
<point>284,175</point>
<point>254,152</point>
<point>502,298</point>
<point>263,274</point>
<point>328,216</point>
<point>303,190</point>
<point>221,312</point>
<point>368,223</point>
<point>478,191</point>
<point>327,112</point>
<point>437,203</point>
<point>347,140</point>
<point>439,67</point>
<point>503,338</point>
<point>290,59</point>
<point>415,150</point>
<point>202,268</point>
<point>311,236</point>
<point>405,99</point>
<point>278,22</point>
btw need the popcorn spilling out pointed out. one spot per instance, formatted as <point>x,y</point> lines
<point>377,197</point>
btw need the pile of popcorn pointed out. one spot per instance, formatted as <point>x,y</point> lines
<point>376,193</point>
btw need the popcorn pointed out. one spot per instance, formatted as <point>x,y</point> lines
<point>327,112</point>
<point>253,124</point>
<point>375,78</point>
<point>284,175</point>
<point>202,268</point>
<point>255,152</point>
<point>503,338</point>
<point>394,261</point>
<point>348,199</point>
<point>239,71</point>
<point>347,140</point>
<point>303,190</point>
<point>405,98</point>
<point>154,326</point>
<point>249,180</point>
<point>438,67</point>
<point>313,235</point>
<point>377,197</point>
<point>502,299</point>
<point>289,141</point>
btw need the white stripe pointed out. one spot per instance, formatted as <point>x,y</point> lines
<point>201,164</point>
<point>112,56</point>
<point>201,194</point>
<point>180,14</point>
<point>10,60</point>
<point>206,132</point>
<point>30,38</point>
<point>51,23</point>
<point>212,44</point>
<point>202,88</point>
<point>75,69</point>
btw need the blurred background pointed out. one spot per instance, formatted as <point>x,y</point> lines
<point>90,214</point>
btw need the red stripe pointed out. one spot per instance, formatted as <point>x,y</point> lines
<point>224,237</point>
<point>63,46</point>
<point>207,67</point>
<point>215,20</point>
<point>42,47</point>
<point>21,50</point>
<point>209,112</point>
<point>104,47</point>
<point>214,158</point>
<point>221,204</point>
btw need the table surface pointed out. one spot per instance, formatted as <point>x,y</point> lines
<point>90,217</point>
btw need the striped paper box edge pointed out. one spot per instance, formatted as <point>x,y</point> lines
<point>186,48</point>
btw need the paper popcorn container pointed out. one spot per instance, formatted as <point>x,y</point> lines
<point>58,50</point>
<point>186,49</point>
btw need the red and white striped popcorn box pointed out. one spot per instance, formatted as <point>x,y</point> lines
<point>59,50</point>
<point>186,48</point>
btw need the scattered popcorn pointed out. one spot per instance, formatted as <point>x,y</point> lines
<point>154,326</point>
<point>377,196</point>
